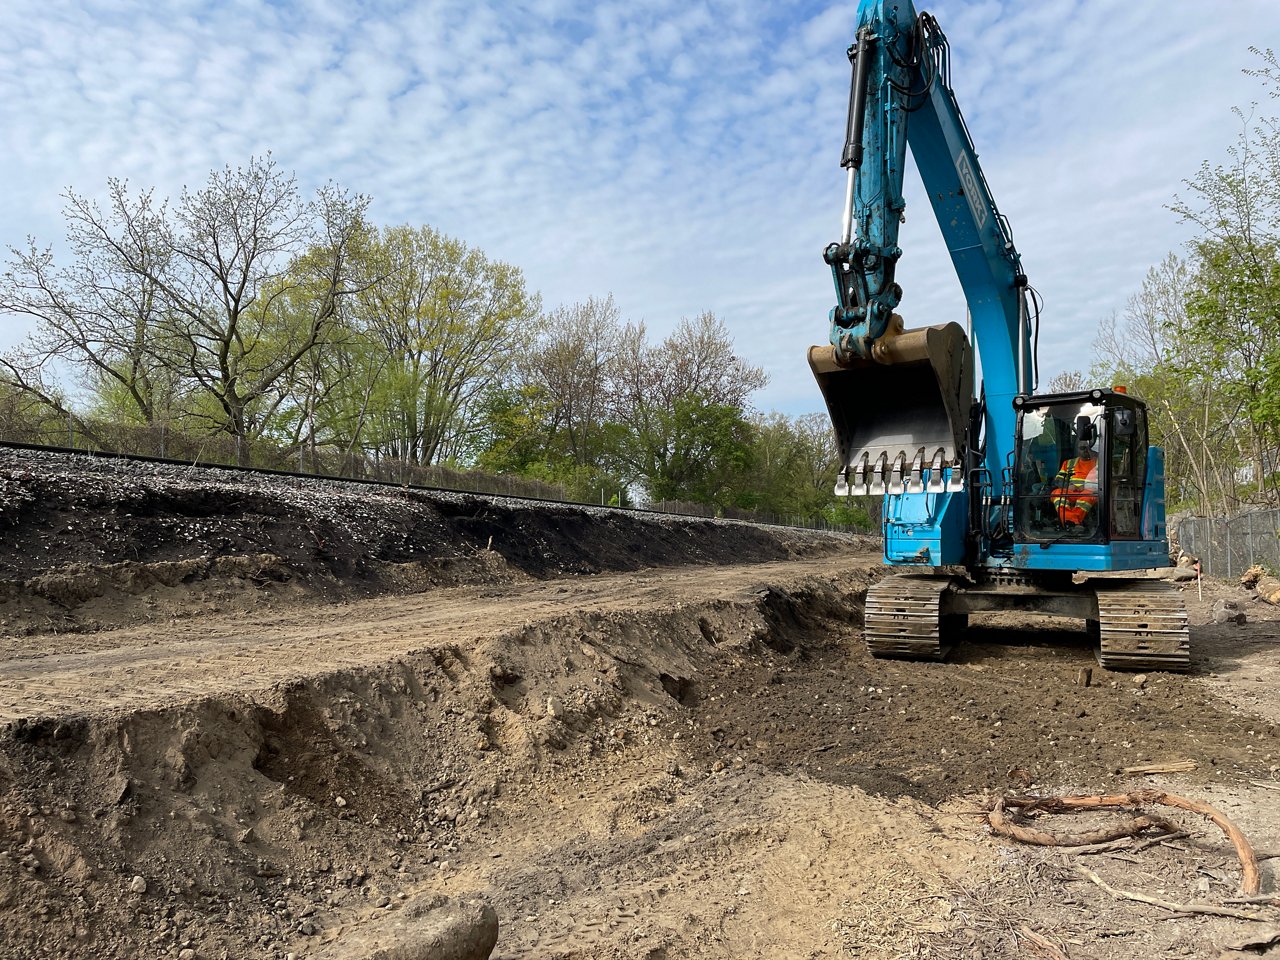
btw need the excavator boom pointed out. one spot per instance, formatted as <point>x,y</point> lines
<point>894,409</point>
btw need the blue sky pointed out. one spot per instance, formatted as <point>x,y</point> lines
<point>680,155</point>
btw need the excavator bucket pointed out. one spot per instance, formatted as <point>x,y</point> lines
<point>904,411</point>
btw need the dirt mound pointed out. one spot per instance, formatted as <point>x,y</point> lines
<point>87,542</point>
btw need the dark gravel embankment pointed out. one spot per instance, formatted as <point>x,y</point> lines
<point>79,534</point>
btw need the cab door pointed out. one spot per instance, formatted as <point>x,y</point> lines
<point>1126,470</point>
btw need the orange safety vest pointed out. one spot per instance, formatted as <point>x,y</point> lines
<point>1075,491</point>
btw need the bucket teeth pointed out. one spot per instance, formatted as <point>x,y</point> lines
<point>915,484</point>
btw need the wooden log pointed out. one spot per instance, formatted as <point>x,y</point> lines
<point>1002,825</point>
<point>1269,590</point>
<point>1168,766</point>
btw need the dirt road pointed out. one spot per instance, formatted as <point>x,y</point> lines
<point>696,762</point>
<point>148,667</point>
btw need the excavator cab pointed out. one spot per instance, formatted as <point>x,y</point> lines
<point>1080,468</point>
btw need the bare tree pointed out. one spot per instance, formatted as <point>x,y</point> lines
<point>252,284</point>
<point>570,362</point>
<point>225,292</point>
<point>698,359</point>
<point>1067,381</point>
<point>98,315</point>
<point>682,404</point>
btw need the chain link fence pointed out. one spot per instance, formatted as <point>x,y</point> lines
<point>1228,546</point>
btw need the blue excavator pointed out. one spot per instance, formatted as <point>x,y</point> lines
<point>996,497</point>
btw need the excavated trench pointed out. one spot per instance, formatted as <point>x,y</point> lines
<point>271,823</point>
<point>343,814</point>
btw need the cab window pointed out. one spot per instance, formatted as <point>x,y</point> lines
<point>1059,473</point>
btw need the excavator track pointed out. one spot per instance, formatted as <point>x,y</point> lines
<point>903,618</point>
<point>1143,626</point>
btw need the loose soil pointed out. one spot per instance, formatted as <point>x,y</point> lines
<point>681,757</point>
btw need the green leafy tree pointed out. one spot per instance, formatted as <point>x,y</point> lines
<point>679,409</point>
<point>1200,341</point>
<point>1154,349</point>
<point>1234,309</point>
<point>1234,299</point>
<point>515,421</point>
<point>445,317</point>
<point>793,466</point>
<point>695,450</point>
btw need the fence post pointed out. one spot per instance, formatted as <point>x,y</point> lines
<point>1253,547</point>
<point>1227,524</point>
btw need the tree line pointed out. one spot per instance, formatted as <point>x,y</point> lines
<point>247,321</point>
<point>244,321</point>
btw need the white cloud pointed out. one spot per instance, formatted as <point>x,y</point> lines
<point>682,156</point>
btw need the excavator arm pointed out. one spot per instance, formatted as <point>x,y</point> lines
<point>901,401</point>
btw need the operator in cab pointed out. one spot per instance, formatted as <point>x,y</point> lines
<point>1075,488</point>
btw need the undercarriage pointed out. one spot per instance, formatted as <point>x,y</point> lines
<point>1137,624</point>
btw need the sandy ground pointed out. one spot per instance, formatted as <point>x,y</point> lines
<point>147,667</point>
<point>694,760</point>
